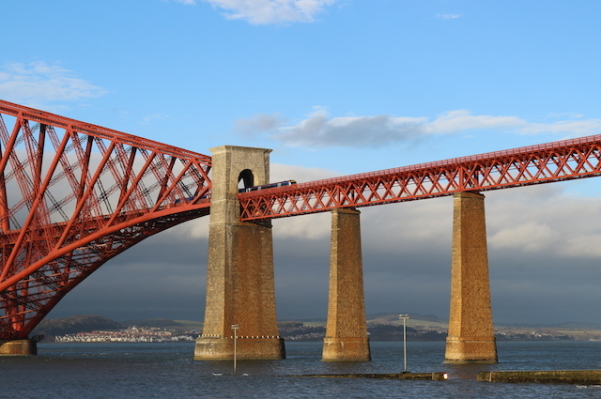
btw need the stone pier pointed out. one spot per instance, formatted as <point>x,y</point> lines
<point>471,336</point>
<point>18,347</point>
<point>240,278</point>
<point>346,331</point>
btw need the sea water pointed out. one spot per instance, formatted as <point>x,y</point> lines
<point>167,370</point>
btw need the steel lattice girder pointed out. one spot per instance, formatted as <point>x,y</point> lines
<point>74,195</point>
<point>546,163</point>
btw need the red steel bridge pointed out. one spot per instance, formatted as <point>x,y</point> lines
<point>74,195</point>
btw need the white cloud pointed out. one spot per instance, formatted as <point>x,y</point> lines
<point>529,236</point>
<point>570,128</point>
<point>320,130</point>
<point>448,16</point>
<point>154,117</point>
<point>263,12</point>
<point>281,172</point>
<point>39,82</point>
<point>260,122</point>
<point>544,219</point>
<point>460,120</point>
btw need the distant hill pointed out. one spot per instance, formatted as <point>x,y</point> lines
<point>75,324</point>
<point>417,321</point>
<point>159,323</point>
<point>381,327</point>
<point>387,318</point>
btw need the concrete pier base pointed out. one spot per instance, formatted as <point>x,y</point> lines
<point>346,330</point>
<point>20,347</point>
<point>346,349</point>
<point>246,349</point>
<point>471,336</point>
<point>471,350</point>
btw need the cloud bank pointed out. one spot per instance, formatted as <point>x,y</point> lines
<point>543,256</point>
<point>321,130</point>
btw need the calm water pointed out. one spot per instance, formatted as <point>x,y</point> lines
<point>168,371</point>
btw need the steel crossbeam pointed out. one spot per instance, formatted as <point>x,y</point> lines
<point>545,163</point>
<point>74,195</point>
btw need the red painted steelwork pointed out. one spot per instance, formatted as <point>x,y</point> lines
<point>74,195</point>
<point>545,163</point>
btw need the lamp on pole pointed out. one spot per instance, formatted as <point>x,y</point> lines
<point>404,317</point>
<point>235,327</point>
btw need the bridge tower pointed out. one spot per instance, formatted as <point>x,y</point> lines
<point>471,336</point>
<point>346,331</point>
<point>240,277</point>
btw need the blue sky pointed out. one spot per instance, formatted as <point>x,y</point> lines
<point>338,87</point>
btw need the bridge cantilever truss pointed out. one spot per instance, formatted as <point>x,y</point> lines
<point>74,195</point>
<point>545,163</point>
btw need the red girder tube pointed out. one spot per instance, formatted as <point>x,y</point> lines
<point>47,118</point>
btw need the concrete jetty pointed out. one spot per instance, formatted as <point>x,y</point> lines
<point>437,376</point>
<point>19,347</point>
<point>581,377</point>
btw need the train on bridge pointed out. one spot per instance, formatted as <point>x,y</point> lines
<point>246,189</point>
<point>266,186</point>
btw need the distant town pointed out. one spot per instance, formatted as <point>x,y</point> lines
<point>130,334</point>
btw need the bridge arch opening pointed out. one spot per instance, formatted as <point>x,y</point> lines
<point>246,179</point>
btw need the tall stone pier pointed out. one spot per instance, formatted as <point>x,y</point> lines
<point>471,336</point>
<point>346,331</point>
<point>240,278</point>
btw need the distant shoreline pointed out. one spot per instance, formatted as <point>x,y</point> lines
<point>383,328</point>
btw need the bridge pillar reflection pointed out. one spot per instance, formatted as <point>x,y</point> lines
<point>346,331</point>
<point>240,278</point>
<point>471,336</point>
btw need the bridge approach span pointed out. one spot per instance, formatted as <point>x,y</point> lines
<point>544,163</point>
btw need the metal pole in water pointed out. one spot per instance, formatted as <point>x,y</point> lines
<point>235,327</point>
<point>404,317</point>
